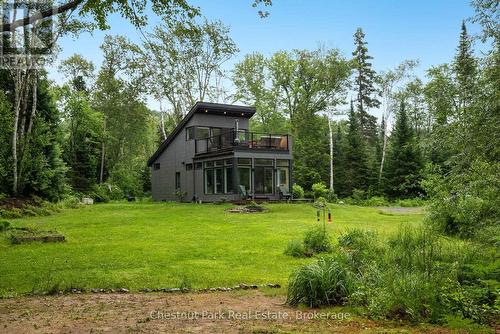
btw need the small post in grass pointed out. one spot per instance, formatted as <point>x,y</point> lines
<point>329,216</point>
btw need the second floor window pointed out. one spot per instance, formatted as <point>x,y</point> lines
<point>190,133</point>
<point>202,133</point>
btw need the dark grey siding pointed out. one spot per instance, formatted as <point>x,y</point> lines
<point>181,152</point>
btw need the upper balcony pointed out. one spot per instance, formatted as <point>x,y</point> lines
<point>242,139</point>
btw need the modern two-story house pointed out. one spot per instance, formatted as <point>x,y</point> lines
<point>212,155</point>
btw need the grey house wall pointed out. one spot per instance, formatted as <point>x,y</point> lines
<point>181,152</point>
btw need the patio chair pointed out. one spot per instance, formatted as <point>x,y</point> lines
<point>244,193</point>
<point>285,193</point>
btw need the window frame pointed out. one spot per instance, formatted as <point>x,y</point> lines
<point>190,133</point>
<point>177,180</point>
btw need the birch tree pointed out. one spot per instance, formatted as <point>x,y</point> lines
<point>388,81</point>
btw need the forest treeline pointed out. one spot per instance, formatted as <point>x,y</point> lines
<point>436,137</point>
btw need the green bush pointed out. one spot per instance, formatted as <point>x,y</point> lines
<point>325,282</point>
<point>295,248</point>
<point>358,196</point>
<point>361,247</point>
<point>316,240</point>
<point>297,191</point>
<point>11,213</point>
<point>416,275</point>
<point>320,190</point>
<point>411,202</point>
<point>4,225</point>
<point>320,202</point>
<point>376,201</point>
<point>463,201</point>
<point>106,192</point>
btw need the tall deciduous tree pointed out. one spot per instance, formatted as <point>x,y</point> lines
<point>251,78</point>
<point>181,63</point>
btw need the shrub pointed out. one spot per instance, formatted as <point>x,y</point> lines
<point>297,191</point>
<point>411,202</point>
<point>332,197</point>
<point>320,190</point>
<point>106,192</point>
<point>326,282</point>
<point>463,201</point>
<point>11,213</point>
<point>361,247</point>
<point>316,240</point>
<point>376,201</point>
<point>358,196</point>
<point>320,202</point>
<point>295,248</point>
<point>4,225</point>
<point>412,297</point>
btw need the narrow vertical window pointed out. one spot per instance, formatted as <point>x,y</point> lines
<point>177,180</point>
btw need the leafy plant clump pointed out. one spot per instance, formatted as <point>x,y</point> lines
<point>415,276</point>
<point>297,191</point>
<point>316,240</point>
<point>320,190</point>
<point>295,248</point>
<point>326,282</point>
<point>4,225</point>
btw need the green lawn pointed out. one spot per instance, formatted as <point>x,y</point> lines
<point>152,245</point>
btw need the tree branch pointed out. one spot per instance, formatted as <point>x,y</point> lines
<point>40,15</point>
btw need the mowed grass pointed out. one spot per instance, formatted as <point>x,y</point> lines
<point>158,245</point>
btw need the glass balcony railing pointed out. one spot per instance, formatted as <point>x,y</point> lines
<point>242,138</point>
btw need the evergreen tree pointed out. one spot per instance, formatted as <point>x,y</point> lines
<point>402,173</point>
<point>339,162</point>
<point>310,149</point>
<point>366,93</point>
<point>465,68</point>
<point>356,171</point>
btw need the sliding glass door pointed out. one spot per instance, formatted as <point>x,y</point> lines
<point>264,180</point>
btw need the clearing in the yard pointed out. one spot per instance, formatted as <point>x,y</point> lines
<point>166,245</point>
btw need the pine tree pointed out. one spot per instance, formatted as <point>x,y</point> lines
<point>402,173</point>
<point>366,93</point>
<point>339,162</point>
<point>465,68</point>
<point>356,170</point>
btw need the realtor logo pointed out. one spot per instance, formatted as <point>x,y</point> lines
<point>27,39</point>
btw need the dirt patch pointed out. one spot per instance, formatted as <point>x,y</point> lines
<point>401,210</point>
<point>28,235</point>
<point>176,313</point>
<point>247,209</point>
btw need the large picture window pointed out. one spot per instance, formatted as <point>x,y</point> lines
<point>264,174</point>
<point>202,132</point>
<point>283,174</point>
<point>218,177</point>
<point>264,180</point>
<point>209,181</point>
<point>219,180</point>
<point>245,177</point>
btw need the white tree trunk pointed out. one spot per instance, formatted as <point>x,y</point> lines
<point>331,154</point>
<point>382,160</point>
<point>103,152</point>
<point>162,123</point>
